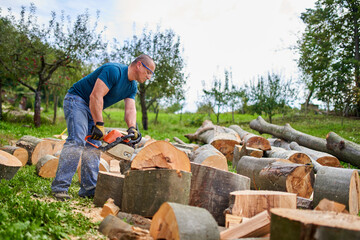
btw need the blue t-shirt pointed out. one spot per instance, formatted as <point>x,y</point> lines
<point>115,76</point>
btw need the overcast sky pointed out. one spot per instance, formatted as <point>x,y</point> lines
<point>250,37</point>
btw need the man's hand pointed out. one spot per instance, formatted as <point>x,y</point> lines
<point>98,131</point>
<point>133,130</point>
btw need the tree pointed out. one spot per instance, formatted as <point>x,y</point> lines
<point>34,52</point>
<point>169,78</point>
<point>270,94</point>
<point>329,53</point>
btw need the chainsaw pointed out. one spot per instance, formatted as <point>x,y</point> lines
<point>117,145</point>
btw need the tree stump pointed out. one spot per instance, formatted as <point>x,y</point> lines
<point>9,165</point>
<point>109,185</point>
<point>161,154</point>
<point>145,190</point>
<point>208,155</point>
<point>248,203</point>
<point>36,147</point>
<point>291,155</point>
<point>339,185</point>
<point>46,166</point>
<point>274,174</point>
<point>310,224</point>
<point>18,152</point>
<point>177,221</point>
<point>242,150</point>
<point>251,140</point>
<point>211,188</point>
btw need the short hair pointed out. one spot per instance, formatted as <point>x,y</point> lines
<point>146,59</point>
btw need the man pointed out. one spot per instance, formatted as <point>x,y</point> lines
<point>83,105</point>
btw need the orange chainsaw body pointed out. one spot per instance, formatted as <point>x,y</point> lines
<point>113,135</point>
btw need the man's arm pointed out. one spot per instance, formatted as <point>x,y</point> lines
<point>96,103</point>
<point>130,112</point>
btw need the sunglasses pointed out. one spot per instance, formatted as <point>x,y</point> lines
<point>152,73</point>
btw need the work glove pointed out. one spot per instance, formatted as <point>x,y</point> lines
<point>134,131</point>
<point>98,131</point>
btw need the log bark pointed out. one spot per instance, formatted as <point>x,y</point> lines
<point>161,154</point>
<point>109,185</point>
<point>339,185</point>
<point>18,152</point>
<point>278,142</point>
<point>304,203</point>
<point>209,191</point>
<point>177,221</point>
<point>135,220</point>
<point>291,155</point>
<point>208,155</point>
<point>251,140</point>
<point>222,138</point>
<point>248,203</point>
<point>145,190</point>
<point>344,150</point>
<point>9,165</point>
<point>273,174</point>
<point>256,226</point>
<point>46,166</point>
<point>36,147</point>
<point>310,224</point>
<point>324,159</point>
<point>242,150</point>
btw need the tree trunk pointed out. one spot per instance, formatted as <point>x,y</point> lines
<point>46,166</point>
<point>142,92</point>
<point>209,191</point>
<point>9,165</point>
<point>56,99</point>
<point>18,152</point>
<point>109,185</point>
<point>145,190</point>
<point>177,221</point>
<point>37,109</point>
<point>36,147</point>
<point>251,140</point>
<point>1,110</point>
<point>209,156</point>
<point>291,155</point>
<point>294,224</point>
<point>278,142</point>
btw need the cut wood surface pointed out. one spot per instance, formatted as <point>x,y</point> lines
<point>36,148</point>
<point>274,174</point>
<point>57,144</point>
<point>114,166</point>
<point>256,226</point>
<point>327,205</point>
<point>109,208</point>
<point>109,185</point>
<point>211,188</point>
<point>310,224</point>
<point>9,165</point>
<point>18,152</point>
<point>248,203</point>
<point>161,154</point>
<point>222,138</point>
<point>324,159</point>
<point>291,155</point>
<point>339,185</point>
<point>208,155</point>
<point>46,166</point>
<point>251,140</point>
<point>242,150</point>
<point>145,190</point>
<point>177,221</point>
<point>232,220</point>
<point>344,150</point>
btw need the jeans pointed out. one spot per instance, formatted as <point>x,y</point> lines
<point>79,123</point>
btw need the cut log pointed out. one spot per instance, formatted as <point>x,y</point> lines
<point>322,158</point>
<point>9,165</point>
<point>222,138</point>
<point>177,221</point>
<point>274,174</point>
<point>251,140</point>
<point>57,144</point>
<point>344,150</point>
<point>248,203</point>
<point>46,166</point>
<point>327,205</point>
<point>36,147</point>
<point>109,185</point>
<point>339,185</point>
<point>208,155</point>
<point>232,220</point>
<point>114,166</point>
<point>209,191</point>
<point>18,152</point>
<point>291,155</point>
<point>256,226</point>
<point>145,190</point>
<point>135,220</point>
<point>161,154</point>
<point>310,224</point>
<point>109,208</point>
<point>241,150</point>
<point>278,142</point>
